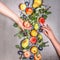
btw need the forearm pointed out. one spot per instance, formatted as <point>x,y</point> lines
<point>56,44</point>
<point>7,12</point>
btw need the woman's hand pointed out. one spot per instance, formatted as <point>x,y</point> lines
<point>48,32</point>
<point>9,13</point>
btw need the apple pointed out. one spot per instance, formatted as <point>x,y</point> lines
<point>41,20</point>
<point>33,40</point>
<point>29,11</point>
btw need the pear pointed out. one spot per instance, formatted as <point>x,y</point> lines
<point>40,37</point>
<point>25,43</point>
<point>37,3</point>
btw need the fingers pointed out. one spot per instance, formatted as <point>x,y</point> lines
<point>22,27</point>
<point>27,25</point>
<point>48,26</point>
<point>28,28</point>
<point>46,33</point>
<point>45,29</point>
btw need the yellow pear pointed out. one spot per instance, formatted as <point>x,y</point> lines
<point>37,3</point>
<point>25,43</point>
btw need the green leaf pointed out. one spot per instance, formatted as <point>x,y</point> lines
<point>47,12</point>
<point>44,16</point>
<point>24,58</point>
<point>44,44</point>
<point>39,40</point>
<point>15,25</point>
<point>28,47</point>
<point>37,14</point>
<point>20,35</point>
<point>17,46</point>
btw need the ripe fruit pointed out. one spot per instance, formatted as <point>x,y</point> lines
<point>36,26</point>
<point>22,6</point>
<point>40,37</point>
<point>41,20</point>
<point>34,49</point>
<point>27,54</point>
<point>37,3</point>
<point>37,57</point>
<point>26,24</point>
<point>25,43</point>
<point>29,11</point>
<point>33,40</point>
<point>34,33</point>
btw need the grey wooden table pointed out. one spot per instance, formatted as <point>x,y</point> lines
<point>7,31</point>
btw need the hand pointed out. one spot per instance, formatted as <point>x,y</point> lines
<point>24,24</point>
<point>48,32</point>
<point>9,13</point>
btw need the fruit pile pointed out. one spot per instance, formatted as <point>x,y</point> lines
<point>30,46</point>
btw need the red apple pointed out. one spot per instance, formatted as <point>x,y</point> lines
<point>33,40</point>
<point>41,20</point>
<point>29,11</point>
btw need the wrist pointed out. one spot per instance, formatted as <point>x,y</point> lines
<point>53,38</point>
<point>18,20</point>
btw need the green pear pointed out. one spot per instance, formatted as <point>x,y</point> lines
<point>40,37</point>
